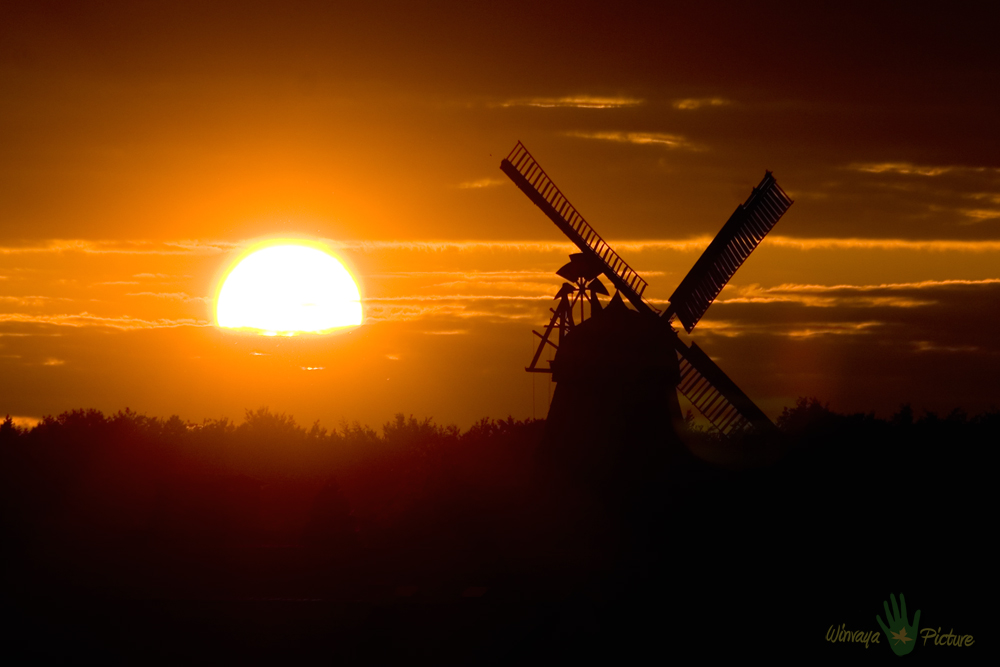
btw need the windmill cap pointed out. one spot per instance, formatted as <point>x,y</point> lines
<point>580,266</point>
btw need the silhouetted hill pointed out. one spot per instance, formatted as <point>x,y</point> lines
<point>138,539</point>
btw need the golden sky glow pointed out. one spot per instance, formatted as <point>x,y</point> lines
<point>288,288</point>
<point>146,148</point>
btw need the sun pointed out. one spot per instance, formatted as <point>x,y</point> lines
<point>287,288</point>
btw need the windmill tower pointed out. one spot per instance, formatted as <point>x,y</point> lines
<point>618,373</point>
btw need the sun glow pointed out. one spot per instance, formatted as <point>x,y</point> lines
<point>288,288</point>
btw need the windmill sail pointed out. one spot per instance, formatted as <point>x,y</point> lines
<point>744,230</point>
<point>521,167</point>
<point>701,381</point>
<point>714,394</point>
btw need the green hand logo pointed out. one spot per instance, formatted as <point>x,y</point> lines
<point>900,633</point>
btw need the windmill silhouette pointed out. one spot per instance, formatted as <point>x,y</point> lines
<point>697,377</point>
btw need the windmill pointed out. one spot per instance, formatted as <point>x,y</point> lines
<point>700,380</point>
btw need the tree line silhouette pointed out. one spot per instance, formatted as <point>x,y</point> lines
<point>126,507</point>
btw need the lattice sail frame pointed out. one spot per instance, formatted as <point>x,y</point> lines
<point>741,234</point>
<point>714,394</point>
<point>528,175</point>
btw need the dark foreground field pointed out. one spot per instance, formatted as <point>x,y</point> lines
<point>132,540</point>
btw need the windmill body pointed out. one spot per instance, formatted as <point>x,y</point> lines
<point>612,424</point>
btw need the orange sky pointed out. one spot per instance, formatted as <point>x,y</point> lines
<point>145,147</point>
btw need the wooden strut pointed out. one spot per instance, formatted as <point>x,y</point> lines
<point>562,316</point>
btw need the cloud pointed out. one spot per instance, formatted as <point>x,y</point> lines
<point>22,334</point>
<point>952,317</point>
<point>910,169</point>
<point>409,308</point>
<point>521,286</point>
<point>176,296</point>
<point>575,101</point>
<point>928,346</point>
<point>992,197</point>
<point>691,104</point>
<point>455,245</point>
<point>900,168</point>
<point>123,247</point>
<point>690,244</point>
<point>641,138</point>
<point>857,296</point>
<point>831,301</point>
<point>833,329</point>
<point>923,284</point>
<point>455,297</point>
<point>34,300</point>
<point>481,183</point>
<point>468,275</point>
<point>981,214</point>
<point>513,245</point>
<point>884,244</point>
<point>53,362</point>
<point>124,323</point>
<point>799,330</point>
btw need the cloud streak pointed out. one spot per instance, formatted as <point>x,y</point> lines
<point>690,104</point>
<point>903,168</point>
<point>34,300</point>
<point>834,329</point>
<point>736,329</point>
<point>910,169</point>
<point>690,244</point>
<point>174,296</point>
<point>923,284</point>
<point>832,301</point>
<point>662,139</point>
<point>928,346</point>
<point>125,247</point>
<point>481,183</point>
<point>576,102</point>
<point>123,323</point>
<point>455,297</point>
<point>405,312</point>
<point>981,214</point>
<point>830,296</point>
<point>883,244</point>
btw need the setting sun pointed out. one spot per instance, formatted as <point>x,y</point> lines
<point>287,289</point>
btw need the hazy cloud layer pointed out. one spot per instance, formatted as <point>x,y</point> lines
<point>775,350</point>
